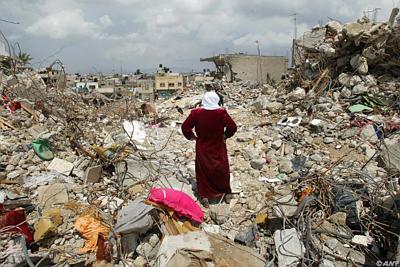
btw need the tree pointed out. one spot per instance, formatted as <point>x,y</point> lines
<point>25,58</point>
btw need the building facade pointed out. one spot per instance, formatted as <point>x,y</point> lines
<point>168,84</point>
<point>254,68</point>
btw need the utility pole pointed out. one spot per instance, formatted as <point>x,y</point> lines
<point>259,63</point>
<point>295,25</point>
<point>294,35</point>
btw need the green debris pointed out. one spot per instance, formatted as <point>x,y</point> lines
<point>359,108</point>
<point>42,149</point>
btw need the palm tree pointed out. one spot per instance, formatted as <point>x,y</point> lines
<point>24,58</point>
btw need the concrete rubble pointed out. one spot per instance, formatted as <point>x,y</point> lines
<point>319,189</point>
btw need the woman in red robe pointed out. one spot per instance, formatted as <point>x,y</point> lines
<point>212,125</point>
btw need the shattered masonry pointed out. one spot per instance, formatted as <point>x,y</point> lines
<point>86,179</point>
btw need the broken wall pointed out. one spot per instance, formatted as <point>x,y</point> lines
<point>255,68</point>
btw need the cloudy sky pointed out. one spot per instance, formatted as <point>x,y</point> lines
<point>102,35</point>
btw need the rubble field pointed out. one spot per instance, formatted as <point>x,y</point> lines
<point>314,166</point>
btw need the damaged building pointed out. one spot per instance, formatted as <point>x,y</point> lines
<point>254,68</point>
<point>168,82</point>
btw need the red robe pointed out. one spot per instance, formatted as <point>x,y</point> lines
<point>212,166</point>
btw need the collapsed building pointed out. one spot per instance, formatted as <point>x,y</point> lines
<point>314,168</point>
<point>253,68</point>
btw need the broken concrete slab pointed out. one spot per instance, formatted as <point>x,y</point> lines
<point>93,174</point>
<point>258,164</point>
<point>288,247</point>
<point>390,152</point>
<point>285,206</point>
<point>61,166</point>
<point>51,195</point>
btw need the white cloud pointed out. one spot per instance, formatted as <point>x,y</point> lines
<point>151,32</point>
<point>69,23</point>
<point>106,21</point>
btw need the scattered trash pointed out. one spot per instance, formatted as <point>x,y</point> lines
<point>183,204</point>
<point>359,108</point>
<point>316,152</point>
<point>290,121</point>
<point>133,220</point>
<point>90,228</point>
<point>14,221</point>
<point>42,149</point>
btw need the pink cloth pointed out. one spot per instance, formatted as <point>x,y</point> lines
<point>179,201</point>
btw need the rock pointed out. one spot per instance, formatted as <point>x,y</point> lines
<point>274,107</point>
<point>298,94</point>
<point>334,26</point>
<point>92,174</point>
<point>329,140</point>
<point>47,225</point>
<point>316,157</point>
<point>220,213</point>
<point>338,218</point>
<point>360,89</point>
<point>285,206</point>
<point>44,228</point>
<point>285,166</point>
<point>323,107</point>
<point>140,261</point>
<point>360,64</point>
<point>344,79</point>
<point>10,168</point>
<point>326,49</point>
<point>355,79</point>
<point>260,103</point>
<point>14,174</point>
<point>354,29</point>
<point>154,240</point>
<point>136,189</point>
<point>369,80</point>
<point>258,164</point>
<point>368,133</point>
<point>390,152</point>
<point>14,160</point>
<point>349,133</point>
<point>368,151</point>
<point>244,137</point>
<point>317,126</point>
<point>61,166</point>
<point>247,237</point>
<point>345,92</point>
<point>276,144</point>
<point>144,249</point>
<point>362,240</point>
<point>252,203</point>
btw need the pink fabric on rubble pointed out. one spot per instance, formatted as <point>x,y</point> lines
<point>179,201</point>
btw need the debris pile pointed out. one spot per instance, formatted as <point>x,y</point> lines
<point>314,168</point>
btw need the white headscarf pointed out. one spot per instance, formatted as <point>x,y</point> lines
<point>210,101</point>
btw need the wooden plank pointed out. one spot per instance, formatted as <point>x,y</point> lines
<point>34,113</point>
<point>3,121</point>
<point>317,84</point>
